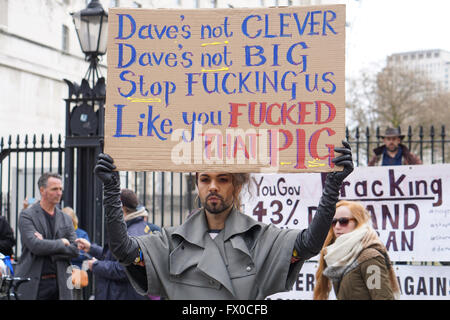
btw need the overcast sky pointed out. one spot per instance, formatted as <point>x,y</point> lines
<point>379,28</point>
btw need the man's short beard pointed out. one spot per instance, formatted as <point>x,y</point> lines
<point>393,149</point>
<point>219,208</point>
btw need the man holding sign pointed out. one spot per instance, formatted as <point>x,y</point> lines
<point>218,252</point>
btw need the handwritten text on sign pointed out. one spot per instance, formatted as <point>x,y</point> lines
<point>409,206</point>
<point>234,89</point>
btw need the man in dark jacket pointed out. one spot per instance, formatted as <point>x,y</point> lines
<point>7,241</point>
<point>111,280</point>
<point>393,152</point>
<point>47,245</point>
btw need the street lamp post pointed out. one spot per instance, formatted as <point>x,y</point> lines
<point>85,123</point>
<point>91,25</point>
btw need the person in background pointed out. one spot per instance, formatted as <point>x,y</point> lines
<point>28,202</point>
<point>78,261</point>
<point>7,240</point>
<point>111,280</point>
<point>47,244</point>
<point>354,260</point>
<point>393,152</point>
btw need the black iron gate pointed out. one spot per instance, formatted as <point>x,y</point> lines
<point>168,196</point>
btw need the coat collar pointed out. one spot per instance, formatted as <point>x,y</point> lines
<point>211,262</point>
<point>195,227</point>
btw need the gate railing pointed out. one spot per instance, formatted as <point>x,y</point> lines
<point>431,147</point>
<point>168,196</point>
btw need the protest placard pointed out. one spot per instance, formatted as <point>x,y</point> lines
<point>416,282</point>
<point>241,90</point>
<point>409,206</point>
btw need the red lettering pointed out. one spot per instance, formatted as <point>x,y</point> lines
<point>289,139</point>
<point>262,113</point>
<point>286,113</point>
<point>313,146</point>
<point>239,144</point>
<point>301,150</point>
<point>331,112</point>
<point>302,112</point>
<point>269,115</point>
<point>234,113</point>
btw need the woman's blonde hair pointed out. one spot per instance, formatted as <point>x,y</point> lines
<point>323,284</point>
<point>69,211</point>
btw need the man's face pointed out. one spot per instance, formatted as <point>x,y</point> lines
<point>391,143</point>
<point>215,190</point>
<point>53,192</point>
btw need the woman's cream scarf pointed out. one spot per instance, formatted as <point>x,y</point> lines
<point>342,256</point>
<point>139,213</point>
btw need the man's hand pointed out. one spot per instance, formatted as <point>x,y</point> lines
<point>25,203</point>
<point>83,244</point>
<point>344,160</point>
<point>65,241</point>
<point>90,263</point>
<point>104,170</point>
<point>38,235</point>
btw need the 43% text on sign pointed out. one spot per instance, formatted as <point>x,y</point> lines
<point>276,210</point>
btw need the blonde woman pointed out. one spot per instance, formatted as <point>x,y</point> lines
<point>354,260</point>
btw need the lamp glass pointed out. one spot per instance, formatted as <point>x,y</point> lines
<point>92,32</point>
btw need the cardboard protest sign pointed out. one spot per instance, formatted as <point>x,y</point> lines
<point>241,90</point>
<point>409,206</point>
<point>416,282</point>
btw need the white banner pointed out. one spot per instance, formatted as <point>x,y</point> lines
<point>409,205</point>
<point>415,282</point>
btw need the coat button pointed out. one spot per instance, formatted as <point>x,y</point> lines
<point>249,268</point>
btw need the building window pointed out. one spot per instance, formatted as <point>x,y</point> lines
<point>405,57</point>
<point>3,12</point>
<point>113,3</point>
<point>65,38</point>
<point>428,54</point>
<point>436,54</point>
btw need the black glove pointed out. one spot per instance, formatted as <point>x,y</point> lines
<point>104,170</point>
<point>111,180</point>
<point>345,160</point>
<point>310,241</point>
<point>124,249</point>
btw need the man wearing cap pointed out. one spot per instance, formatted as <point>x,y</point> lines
<point>393,152</point>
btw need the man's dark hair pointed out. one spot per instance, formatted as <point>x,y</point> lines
<point>129,199</point>
<point>43,180</point>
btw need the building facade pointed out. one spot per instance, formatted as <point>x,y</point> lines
<point>39,48</point>
<point>434,64</point>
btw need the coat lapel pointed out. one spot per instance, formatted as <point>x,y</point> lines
<point>195,231</point>
<point>40,221</point>
<point>59,223</point>
<point>213,264</point>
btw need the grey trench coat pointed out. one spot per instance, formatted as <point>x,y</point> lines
<point>34,250</point>
<point>247,260</point>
